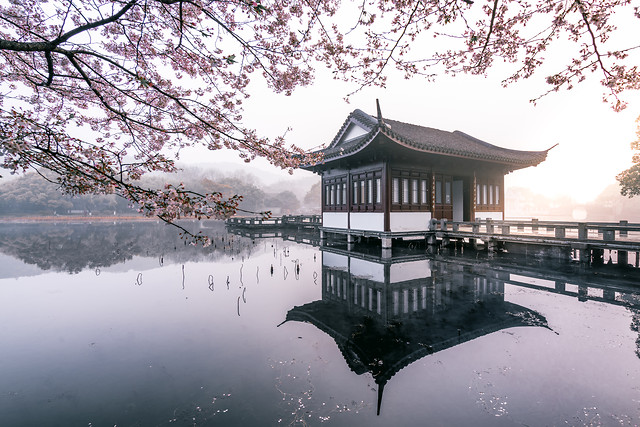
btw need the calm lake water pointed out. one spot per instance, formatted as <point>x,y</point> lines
<point>124,325</point>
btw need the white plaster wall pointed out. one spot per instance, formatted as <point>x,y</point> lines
<point>335,260</point>
<point>409,271</point>
<point>458,201</point>
<point>367,269</point>
<point>373,221</point>
<point>496,216</point>
<point>334,219</point>
<point>409,221</point>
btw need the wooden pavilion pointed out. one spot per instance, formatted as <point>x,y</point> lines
<point>386,176</point>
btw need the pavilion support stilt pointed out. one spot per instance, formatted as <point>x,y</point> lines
<point>585,256</point>
<point>492,245</point>
<point>387,242</point>
<point>597,256</point>
<point>623,258</point>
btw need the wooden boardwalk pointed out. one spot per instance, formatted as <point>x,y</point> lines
<point>312,222</point>
<point>586,241</point>
<point>558,239</point>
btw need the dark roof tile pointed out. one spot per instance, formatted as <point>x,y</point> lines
<point>426,139</point>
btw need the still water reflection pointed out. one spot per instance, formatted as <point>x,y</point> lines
<point>124,325</point>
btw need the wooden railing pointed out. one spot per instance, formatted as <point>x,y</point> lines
<point>623,234</point>
<point>307,221</point>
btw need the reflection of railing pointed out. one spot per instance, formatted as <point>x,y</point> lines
<point>611,285</point>
<point>304,221</point>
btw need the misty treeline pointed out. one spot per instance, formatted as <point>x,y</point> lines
<point>32,195</point>
<point>608,206</point>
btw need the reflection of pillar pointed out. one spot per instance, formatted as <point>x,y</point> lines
<point>386,294</point>
<point>374,301</point>
<point>608,295</point>
<point>583,292</point>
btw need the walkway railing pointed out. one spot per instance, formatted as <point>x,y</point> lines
<point>623,235</point>
<point>306,221</point>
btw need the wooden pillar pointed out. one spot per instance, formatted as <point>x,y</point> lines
<point>624,223</point>
<point>386,196</point>
<point>475,197</point>
<point>489,225</point>
<point>582,231</point>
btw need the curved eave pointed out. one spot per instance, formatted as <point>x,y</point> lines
<point>350,150</point>
<point>539,156</point>
<point>343,153</point>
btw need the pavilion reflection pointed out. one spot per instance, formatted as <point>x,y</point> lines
<point>387,313</point>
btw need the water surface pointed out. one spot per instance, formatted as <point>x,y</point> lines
<point>124,324</point>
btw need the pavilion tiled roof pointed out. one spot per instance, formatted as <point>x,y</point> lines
<point>425,139</point>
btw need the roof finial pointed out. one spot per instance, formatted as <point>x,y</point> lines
<point>379,112</point>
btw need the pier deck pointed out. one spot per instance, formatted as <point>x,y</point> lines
<point>585,241</point>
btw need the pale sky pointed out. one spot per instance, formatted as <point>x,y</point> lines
<point>593,139</point>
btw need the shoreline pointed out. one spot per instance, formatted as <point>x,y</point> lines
<point>68,219</point>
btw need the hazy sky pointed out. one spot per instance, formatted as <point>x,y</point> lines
<point>593,139</point>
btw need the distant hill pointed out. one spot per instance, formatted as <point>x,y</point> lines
<point>279,193</point>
